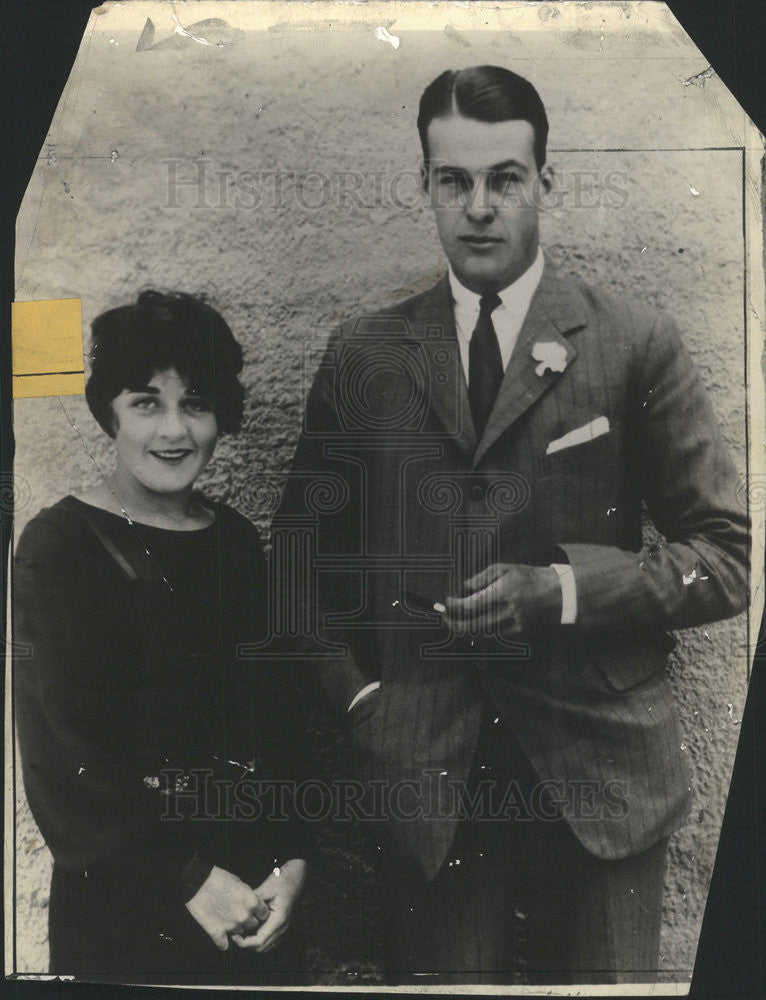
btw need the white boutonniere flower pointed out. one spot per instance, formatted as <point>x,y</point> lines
<point>551,356</point>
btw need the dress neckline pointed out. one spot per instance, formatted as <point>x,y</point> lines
<point>210,505</point>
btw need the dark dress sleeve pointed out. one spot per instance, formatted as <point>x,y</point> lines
<point>268,731</point>
<point>86,791</point>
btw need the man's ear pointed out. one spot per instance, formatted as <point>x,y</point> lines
<point>424,177</point>
<point>546,187</point>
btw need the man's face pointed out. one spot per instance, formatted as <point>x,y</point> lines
<point>485,187</point>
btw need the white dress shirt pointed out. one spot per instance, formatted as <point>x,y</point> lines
<point>508,319</point>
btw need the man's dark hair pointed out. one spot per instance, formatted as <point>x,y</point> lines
<point>486,94</point>
<point>161,331</point>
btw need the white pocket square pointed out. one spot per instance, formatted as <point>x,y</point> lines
<point>595,428</point>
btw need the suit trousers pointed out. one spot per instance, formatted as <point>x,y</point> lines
<point>519,900</point>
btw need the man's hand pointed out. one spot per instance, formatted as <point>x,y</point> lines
<point>507,598</point>
<point>280,891</point>
<point>224,904</point>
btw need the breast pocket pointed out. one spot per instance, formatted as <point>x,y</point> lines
<point>579,493</point>
<point>595,457</point>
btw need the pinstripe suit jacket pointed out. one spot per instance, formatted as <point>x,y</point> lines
<point>421,504</point>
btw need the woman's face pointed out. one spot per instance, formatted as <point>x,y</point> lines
<point>164,434</point>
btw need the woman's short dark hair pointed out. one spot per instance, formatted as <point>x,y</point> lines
<point>163,330</point>
<point>486,94</point>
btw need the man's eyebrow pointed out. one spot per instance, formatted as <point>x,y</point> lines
<point>152,389</point>
<point>496,168</point>
<point>505,165</point>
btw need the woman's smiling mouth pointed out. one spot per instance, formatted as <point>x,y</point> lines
<point>173,456</point>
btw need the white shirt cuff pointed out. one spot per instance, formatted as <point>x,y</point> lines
<point>367,689</point>
<point>568,593</point>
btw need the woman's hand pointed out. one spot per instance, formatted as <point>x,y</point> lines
<point>225,905</point>
<point>280,892</point>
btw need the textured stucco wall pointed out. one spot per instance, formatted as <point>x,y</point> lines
<point>99,226</point>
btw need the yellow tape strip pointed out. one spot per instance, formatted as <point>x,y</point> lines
<point>47,348</point>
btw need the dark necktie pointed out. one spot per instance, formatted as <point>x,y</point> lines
<point>485,365</point>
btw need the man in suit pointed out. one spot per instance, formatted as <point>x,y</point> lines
<point>492,625</point>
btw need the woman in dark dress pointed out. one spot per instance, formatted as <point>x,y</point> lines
<point>146,742</point>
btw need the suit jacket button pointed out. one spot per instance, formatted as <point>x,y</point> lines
<point>481,664</point>
<point>477,491</point>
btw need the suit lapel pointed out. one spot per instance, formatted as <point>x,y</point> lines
<point>555,311</point>
<point>447,391</point>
